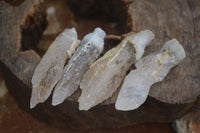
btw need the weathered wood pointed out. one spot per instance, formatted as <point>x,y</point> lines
<point>167,101</point>
<point>12,22</point>
<point>173,19</point>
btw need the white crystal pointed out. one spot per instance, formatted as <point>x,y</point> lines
<point>50,68</point>
<point>141,39</point>
<point>96,38</point>
<point>150,69</point>
<point>106,74</point>
<point>90,48</point>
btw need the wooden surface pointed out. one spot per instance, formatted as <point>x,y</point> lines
<point>178,19</point>
<point>15,119</point>
<point>19,121</point>
<point>168,100</point>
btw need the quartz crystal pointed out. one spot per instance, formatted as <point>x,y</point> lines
<point>50,68</point>
<point>90,48</point>
<point>106,74</point>
<point>149,70</point>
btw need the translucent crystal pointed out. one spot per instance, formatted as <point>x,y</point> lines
<point>150,69</point>
<point>106,74</point>
<point>90,48</point>
<point>50,68</point>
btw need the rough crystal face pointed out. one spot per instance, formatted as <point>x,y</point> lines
<point>50,68</point>
<point>106,74</point>
<point>150,69</point>
<point>90,48</point>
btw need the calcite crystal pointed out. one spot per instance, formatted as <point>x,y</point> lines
<point>106,74</point>
<point>91,46</point>
<point>50,68</point>
<point>151,69</point>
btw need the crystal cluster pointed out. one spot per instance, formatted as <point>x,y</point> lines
<point>100,78</point>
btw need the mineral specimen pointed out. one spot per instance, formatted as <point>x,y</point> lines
<point>90,48</point>
<point>106,74</point>
<point>151,69</point>
<point>50,68</point>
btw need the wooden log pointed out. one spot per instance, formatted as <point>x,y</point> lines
<point>168,100</point>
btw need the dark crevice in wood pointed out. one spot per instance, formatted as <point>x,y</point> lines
<point>114,11</point>
<point>110,10</point>
<point>32,29</point>
<point>14,2</point>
